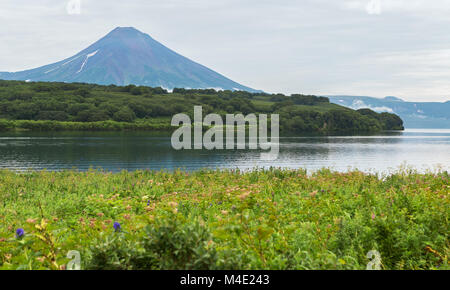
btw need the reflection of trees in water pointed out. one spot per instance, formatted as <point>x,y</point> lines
<point>141,150</point>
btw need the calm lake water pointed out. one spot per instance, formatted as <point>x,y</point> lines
<point>115,151</point>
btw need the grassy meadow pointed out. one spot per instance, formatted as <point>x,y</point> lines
<point>274,219</point>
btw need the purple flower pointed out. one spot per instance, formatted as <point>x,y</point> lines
<point>20,233</point>
<point>117,227</point>
<point>148,202</point>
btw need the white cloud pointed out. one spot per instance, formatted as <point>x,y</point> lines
<point>411,6</point>
<point>288,46</point>
<point>359,104</point>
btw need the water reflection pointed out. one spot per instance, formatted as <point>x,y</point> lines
<point>112,151</point>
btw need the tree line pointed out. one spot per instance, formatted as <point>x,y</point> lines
<point>89,103</point>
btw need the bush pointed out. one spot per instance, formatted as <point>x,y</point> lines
<point>180,246</point>
<point>124,115</point>
<point>5,125</point>
<point>117,251</point>
<point>168,245</point>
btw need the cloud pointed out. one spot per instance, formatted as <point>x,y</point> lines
<point>289,46</point>
<point>359,104</point>
<point>419,7</point>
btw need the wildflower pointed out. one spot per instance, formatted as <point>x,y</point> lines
<point>117,227</point>
<point>373,216</point>
<point>20,233</point>
<point>244,195</point>
<point>148,202</point>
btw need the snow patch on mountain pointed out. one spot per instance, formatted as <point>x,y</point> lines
<point>49,71</point>
<point>71,60</point>
<point>86,60</point>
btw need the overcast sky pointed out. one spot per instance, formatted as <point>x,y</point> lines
<point>356,47</point>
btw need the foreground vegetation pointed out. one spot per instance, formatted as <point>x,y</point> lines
<point>63,106</point>
<point>276,219</point>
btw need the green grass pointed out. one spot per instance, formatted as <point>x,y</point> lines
<point>277,219</point>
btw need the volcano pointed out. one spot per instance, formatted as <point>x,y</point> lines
<point>127,56</point>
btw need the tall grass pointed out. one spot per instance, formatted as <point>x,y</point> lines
<point>275,219</point>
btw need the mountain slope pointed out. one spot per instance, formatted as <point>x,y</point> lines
<point>414,114</point>
<point>128,56</point>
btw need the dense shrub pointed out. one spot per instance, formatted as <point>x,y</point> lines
<point>124,115</point>
<point>91,103</point>
<point>168,245</point>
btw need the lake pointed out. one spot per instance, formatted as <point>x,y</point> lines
<point>115,151</point>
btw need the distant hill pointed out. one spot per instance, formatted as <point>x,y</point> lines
<point>50,106</point>
<point>127,56</point>
<point>414,114</point>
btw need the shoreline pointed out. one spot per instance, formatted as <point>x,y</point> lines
<point>150,126</point>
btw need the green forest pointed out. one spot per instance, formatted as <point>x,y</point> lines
<point>74,106</point>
